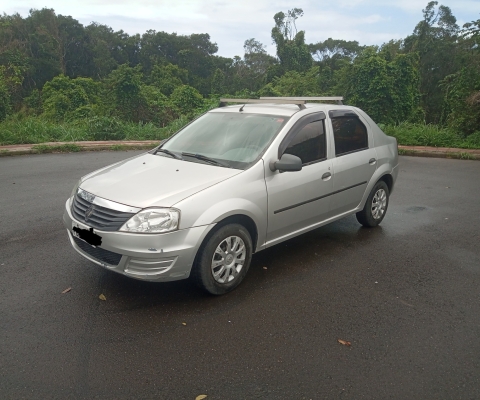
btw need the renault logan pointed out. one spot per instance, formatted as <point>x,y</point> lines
<point>235,181</point>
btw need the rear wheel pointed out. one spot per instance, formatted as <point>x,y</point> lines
<point>224,260</point>
<point>375,207</point>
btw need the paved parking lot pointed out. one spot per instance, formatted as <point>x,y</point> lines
<point>406,295</point>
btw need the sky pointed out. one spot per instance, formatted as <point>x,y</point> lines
<point>231,22</point>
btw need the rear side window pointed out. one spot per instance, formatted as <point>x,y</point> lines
<point>309,143</point>
<point>350,135</point>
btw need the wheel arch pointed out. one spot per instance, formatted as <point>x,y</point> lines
<point>240,219</point>
<point>382,174</point>
<point>247,222</point>
<point>388,179</point>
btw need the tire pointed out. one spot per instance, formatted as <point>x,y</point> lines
<point>224,259</point>
<point>375,206</point>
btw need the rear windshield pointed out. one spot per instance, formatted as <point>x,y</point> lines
<point>235,139</point>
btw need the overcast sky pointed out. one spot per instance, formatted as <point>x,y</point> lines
<point>231,22</point>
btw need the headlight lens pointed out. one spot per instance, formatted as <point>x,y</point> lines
<point>153,220</point>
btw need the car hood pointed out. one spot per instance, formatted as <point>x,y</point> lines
<point>153,180</point>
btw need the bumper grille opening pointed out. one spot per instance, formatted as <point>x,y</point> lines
<point>102,218</point>
<point>106,256</point>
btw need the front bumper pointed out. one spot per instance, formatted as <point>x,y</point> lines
<point>152,257</point>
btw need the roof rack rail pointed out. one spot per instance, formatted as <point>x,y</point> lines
<point>276,100</point>
<point>337,99</point>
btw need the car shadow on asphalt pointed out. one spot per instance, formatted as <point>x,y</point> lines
<point>283,262</point>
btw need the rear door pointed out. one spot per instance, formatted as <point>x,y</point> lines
<point>355,159</point>
<point>299,199</point>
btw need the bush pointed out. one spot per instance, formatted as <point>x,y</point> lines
<point>187,100</point>
<point>62,96</point>
<point>104,128</point>
<point>36,130</point>
<point>410,134</point>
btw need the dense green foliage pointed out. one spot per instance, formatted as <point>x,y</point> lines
<point>410,134</point>
<point>61,81</point>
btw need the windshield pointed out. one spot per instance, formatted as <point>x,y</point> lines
<point>235,140</point>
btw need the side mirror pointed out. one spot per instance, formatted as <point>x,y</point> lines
<point>287,162</point>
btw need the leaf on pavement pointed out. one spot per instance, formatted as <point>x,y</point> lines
<point>67,290</point>
<point>102,297</point>
<point>201,397</point>
<point>344,342</point>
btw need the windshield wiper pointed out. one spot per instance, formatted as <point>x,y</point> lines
<point>171,154</point>
<point>205,158</point>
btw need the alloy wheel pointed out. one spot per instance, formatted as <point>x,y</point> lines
<point>228,259</point>
<point>379,204</point>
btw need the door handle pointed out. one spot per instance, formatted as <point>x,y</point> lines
<point>326,176</point>
<point>372,161</point>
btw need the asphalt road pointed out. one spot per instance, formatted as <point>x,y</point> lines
<point>405,294</point>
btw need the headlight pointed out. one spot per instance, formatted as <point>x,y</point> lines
<point>153,220</point>
<point>75,188</point>
<point>74,191</point>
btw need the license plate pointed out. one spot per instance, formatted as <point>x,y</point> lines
<point>86,234</point>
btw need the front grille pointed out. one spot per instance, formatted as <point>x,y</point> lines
<point>106,256</point>
<point>102,218</point>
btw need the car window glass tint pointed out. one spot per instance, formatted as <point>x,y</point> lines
<point>309,143</point>
<point>350,135</point>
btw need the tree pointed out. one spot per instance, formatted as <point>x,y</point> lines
<point>256,63</point>
<point>218,82</point>
<point>187,100</point>
<point>292,51</point>
<point>435,40</point>
<point>44,45</point>
<point>294,83</point>
<point>5,103</point>
<point>472,30</point>
<point>76,56</point>
<point>106,49</point>
<point>462,88</point>
<point>386,90</point>
<point>462,96</point>
<point>168,77</point>
<point>334,53</point>
<point>125,89</point>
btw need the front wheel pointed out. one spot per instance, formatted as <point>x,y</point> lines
<point>375,206</point>
<point>224,260</point>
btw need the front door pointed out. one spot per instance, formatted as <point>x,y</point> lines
<point>297,200</point>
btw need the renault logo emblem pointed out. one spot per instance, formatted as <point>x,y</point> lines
<point>88,212</point>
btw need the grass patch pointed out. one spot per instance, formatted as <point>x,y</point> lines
<point>466,156</point>
<point>409,134</point>
<point>123,147</point>
<point>62,148</point>
<point>36,130</point>
<point>118,147</point>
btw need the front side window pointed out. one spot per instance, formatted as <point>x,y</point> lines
<point>350,135</point>
<point>309,143</point>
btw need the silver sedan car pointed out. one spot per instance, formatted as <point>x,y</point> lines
<point>235,181</point>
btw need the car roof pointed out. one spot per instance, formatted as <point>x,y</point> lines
<point>280,109</point>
